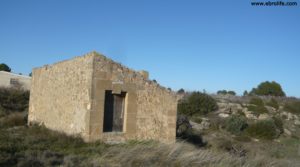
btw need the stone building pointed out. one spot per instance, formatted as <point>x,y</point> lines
<point>99,99</point>
<point>12,80</point>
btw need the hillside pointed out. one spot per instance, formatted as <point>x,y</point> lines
<point>209,142</point>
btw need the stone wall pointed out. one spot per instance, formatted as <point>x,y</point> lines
<point>60,95</point>
<point>69,96</point>
<point>151,109</point>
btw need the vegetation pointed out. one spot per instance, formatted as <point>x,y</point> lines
<point>257,106</point>
<point>4,67</point>
<point>181,91</point>
<point>268,89</point>
<point>273,103</point>
<point>15,100</point>
<point>292,106</point>
<point>197,104</point>
<point>21,145</point>
<point>256,101</point>
<point>225,92</point>
<point>263,129</point>
<point>236,124</point>
<point>278,123</point>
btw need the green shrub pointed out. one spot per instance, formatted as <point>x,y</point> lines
<point>257,106</point>
<point>279,123</point>
<point>240,112</point>
<point>268,89</point>
<point>256,101</point>
<point>263,129</point>
<point>273,103</point>
<point>293,107</point>
<point>236,124</point>
<point>197,104</point>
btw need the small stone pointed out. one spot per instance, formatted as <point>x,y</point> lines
<point>263,116</point>
<point>287,132</point>
<point>297,122</point>
<point>223,115</point>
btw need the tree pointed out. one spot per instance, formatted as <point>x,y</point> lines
<point>4,67</point>
<point>197,104</point>
<point>222,92</point>
<point>245,93</point>
<point>225,92</point>
<point>231,92</point>
<point>268,89</point>
<point>181,91</point>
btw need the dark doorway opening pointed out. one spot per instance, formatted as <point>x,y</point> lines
<point>113,111</point>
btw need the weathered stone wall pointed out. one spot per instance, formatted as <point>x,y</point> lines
<point>60,95</point>
<point>151,109</point>
<point>69,96</point>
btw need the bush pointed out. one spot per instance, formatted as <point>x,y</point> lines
<point>236,124</point>
<point>14,99</point>
<point>14,119</point>
<point>263,129</point>
<point>273,103</point>
<point>256,101</point>
<point>268,89</point>
<point>293,107</point>
<point>258,106</point>
<point>279,123</point>
<point>197,104</point>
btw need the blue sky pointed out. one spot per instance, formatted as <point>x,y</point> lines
<point>192,44</point>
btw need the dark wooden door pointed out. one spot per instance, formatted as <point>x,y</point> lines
<point>118,113</point>
<point>113,112</point>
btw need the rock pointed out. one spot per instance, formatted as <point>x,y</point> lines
<point>223,115</point>
<point>182,125</point>
<point>290,116</point>
<point>205,124</point>
<point>271,109</point>
<point>264,116</point>
<point>297,122</point>
<point>287,132</point>
<point>277,140</point>
<point>229,108</point>
<point>249,115</point>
